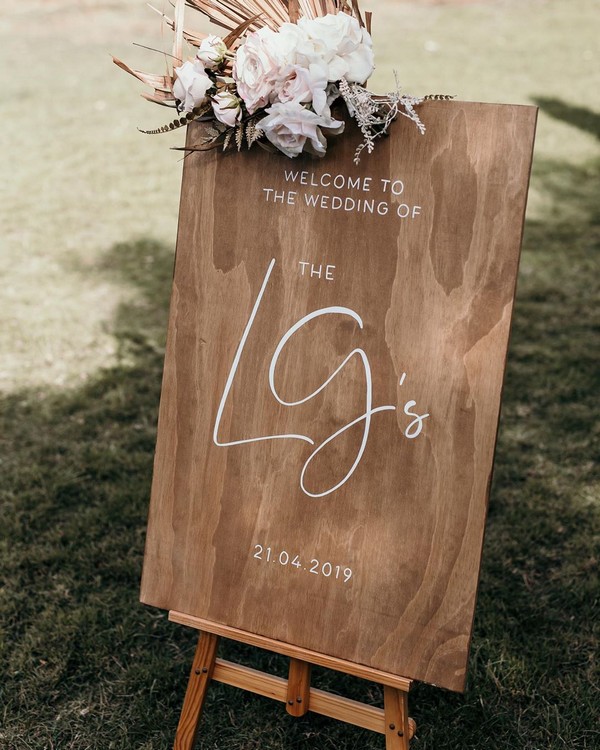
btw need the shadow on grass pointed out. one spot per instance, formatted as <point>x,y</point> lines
<point>582,118</point>
<point>84,666</point>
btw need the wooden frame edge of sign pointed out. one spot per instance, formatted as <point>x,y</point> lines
<point>296,692</point>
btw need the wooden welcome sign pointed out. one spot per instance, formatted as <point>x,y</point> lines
<point>331,392</point>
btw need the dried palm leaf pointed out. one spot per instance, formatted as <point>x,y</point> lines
<point>315,8</point>
<point>294,10</point>
<point>178,31</point>
<point>193,37</point>
<point>230,13</point>
<point>357,12</point>
<point>234,35</point>
<point>272,13</point>
<point>160,98</point>
<point>158,82</point>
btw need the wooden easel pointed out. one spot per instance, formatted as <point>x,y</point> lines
<point>296,692</point>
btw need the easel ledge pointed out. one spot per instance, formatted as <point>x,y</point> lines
<point>295,692</point>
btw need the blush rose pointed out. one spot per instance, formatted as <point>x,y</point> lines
<point>292,128</point>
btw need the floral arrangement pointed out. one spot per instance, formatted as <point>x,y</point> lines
<point>272,80</point>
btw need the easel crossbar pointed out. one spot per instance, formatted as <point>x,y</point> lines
<point>296,693</point>
<point>321,702</point>
<point>294,652</point>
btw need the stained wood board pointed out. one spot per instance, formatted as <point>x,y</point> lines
<point>333,375</point>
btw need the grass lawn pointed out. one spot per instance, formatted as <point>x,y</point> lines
<point>88,211</point>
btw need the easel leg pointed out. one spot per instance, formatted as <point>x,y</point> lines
<point>200,677</point>
<point>298,692</point>
<point>397,729</point>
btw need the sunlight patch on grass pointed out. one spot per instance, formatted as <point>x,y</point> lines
<point>77,178</point>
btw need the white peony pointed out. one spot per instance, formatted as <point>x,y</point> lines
<point>211,52</point>
<point>291,128</point>
<point>190,86</point>
<point>227,108</point>
<point>256,68</point>
<point>346,48</point>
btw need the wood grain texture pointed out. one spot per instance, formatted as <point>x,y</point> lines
<point>420,305</point>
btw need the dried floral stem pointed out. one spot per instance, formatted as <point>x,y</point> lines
<point>375,114</point>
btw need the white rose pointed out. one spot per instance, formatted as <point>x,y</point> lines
<point>360,64</point>
<point>190,86</point>
<point>336,34</point>
<point>305,85</point>
<point>290,127</point>
<point>287,43</point>
<point>267,60</point>
<point>256,68</point>
<point>227,108</point>
<point>332,93</point>
<point>343,44</point>
<point>333,127</point>
<point>211,52</point>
